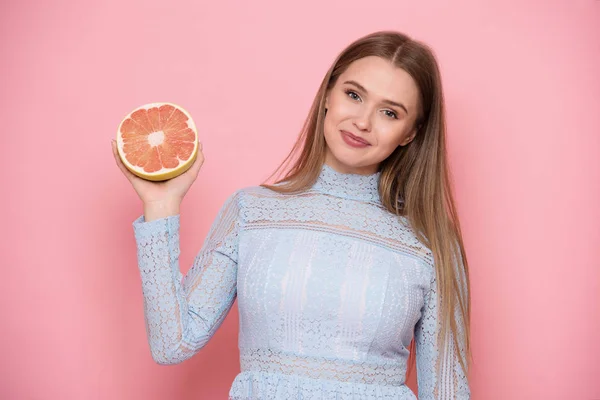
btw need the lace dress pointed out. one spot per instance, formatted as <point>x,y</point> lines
<point>331,288</point>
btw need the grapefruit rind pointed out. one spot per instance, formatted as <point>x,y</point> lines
<point>165,173</point>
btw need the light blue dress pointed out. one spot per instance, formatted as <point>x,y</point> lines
<point>331,288</point>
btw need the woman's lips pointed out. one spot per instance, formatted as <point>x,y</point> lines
<point>354,141</point>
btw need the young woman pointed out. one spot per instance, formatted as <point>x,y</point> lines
<point>341,263</point>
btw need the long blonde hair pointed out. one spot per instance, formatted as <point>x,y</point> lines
<point>415,180</point>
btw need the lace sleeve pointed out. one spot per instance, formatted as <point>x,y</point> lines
<point>439,373</point>
<point>183,313</point>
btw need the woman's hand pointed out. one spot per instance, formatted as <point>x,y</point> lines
<point>161,198</point>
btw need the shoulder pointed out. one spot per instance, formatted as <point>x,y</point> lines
<point>399,232</point>
<point>251,197</point>
<point>248,194</point>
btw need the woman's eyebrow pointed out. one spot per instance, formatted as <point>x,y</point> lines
<point>390,102</point>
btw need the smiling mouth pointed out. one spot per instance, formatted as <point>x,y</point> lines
<point>355,138</point>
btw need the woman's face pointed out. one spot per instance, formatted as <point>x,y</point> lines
<point>371,111</point>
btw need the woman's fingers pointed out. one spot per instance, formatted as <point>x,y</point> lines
<point>199,160</point>
<point>119,163</point>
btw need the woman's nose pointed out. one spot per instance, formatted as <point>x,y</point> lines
<point>363,121</point>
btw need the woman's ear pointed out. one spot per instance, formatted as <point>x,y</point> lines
<point>327,94</point>
<point>414,132</point>
<point>407,140</point>
<point>410,137</point>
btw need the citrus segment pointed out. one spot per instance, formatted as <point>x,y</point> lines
<point>158,141</point>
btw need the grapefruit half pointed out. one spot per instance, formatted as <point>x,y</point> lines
<point>157,141</point>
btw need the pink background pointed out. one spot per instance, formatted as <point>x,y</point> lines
<point>522,81</point>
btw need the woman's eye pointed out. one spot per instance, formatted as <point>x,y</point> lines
<point>352,95</point>
<point>391,114</point>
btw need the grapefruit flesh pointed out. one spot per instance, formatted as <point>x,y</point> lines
<point>158,141</point>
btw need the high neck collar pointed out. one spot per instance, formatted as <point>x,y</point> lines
<point>349,186</point>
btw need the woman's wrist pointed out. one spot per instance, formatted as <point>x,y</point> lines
<point>160,209</point>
